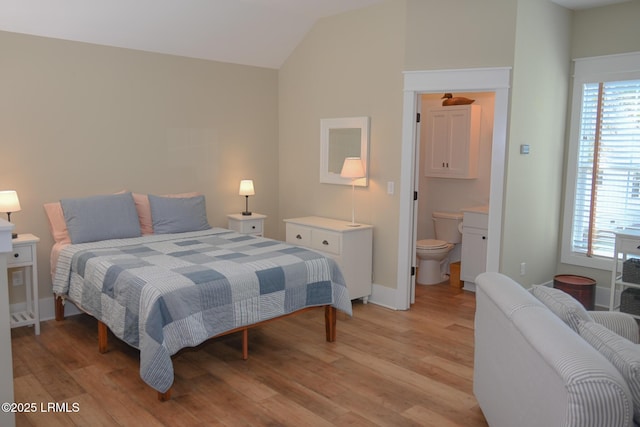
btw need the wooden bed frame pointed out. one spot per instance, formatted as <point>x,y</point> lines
<point>329,324</point>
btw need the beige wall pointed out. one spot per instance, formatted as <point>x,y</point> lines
<point>538,109</point>
<point>439,35</point>
<point>444,35</point>
<point>596,32</point>
<point>79,119</point>
<point>348,65</point>
<point>606,30</point>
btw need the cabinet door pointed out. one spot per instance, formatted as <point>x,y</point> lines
<point>474,253</point>
<point>458,147</point>
<point>452,141</point>
<point>437,147</point>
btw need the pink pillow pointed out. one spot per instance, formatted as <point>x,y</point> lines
<point>57,224</point>
<point>144,209</point>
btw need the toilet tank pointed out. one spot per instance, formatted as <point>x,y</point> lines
<point>445,225</point>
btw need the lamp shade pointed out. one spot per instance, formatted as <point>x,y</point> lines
<point>9,201</point>
<point>352,168</point>
<point>246,188</point>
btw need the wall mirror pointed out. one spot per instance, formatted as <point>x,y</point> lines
<point>341,138</point>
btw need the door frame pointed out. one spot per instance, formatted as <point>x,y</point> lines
<point>495,80</point>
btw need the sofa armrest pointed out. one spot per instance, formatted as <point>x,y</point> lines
<point>622,324</point>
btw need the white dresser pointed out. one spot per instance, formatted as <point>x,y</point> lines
<point>351,247</point>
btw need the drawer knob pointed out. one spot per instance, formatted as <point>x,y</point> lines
<point>324,242</point>
<point>16,255</point>
<point>253,226</point>
<point>299,237</point>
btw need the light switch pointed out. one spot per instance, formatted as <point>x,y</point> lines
<point>390,187</point>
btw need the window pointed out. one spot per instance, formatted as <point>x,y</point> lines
<point>603,173</point>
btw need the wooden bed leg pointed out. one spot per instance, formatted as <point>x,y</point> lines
<point>59,308</point>
<point>245,343</point>
<point>163,397</point>
<point>330,322</point>
<point>102,337</point>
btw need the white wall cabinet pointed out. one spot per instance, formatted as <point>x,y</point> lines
<point>452,141</point>
<point>475,226</point>
<point>351,247</point>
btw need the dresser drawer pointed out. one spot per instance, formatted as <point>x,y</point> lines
<point>20,255</point>
<point>629,245</point>
<point>251,226</point>
<point>326,241</point>
<point>298,235</point>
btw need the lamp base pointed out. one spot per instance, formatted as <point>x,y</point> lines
<point>353,225</point>
<point>246,213</point>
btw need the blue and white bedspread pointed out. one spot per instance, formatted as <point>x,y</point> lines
<point>161,293</point>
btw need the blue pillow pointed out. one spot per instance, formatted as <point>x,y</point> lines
<point>178,215</point>
<point>94,218</point>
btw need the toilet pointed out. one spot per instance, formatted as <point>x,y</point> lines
<point>433,253</point>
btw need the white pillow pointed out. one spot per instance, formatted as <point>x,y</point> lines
<point>562,305</point>
<point>622,353</point>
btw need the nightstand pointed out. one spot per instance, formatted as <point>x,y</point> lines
<point>247,224</point>
<point>24,256</point>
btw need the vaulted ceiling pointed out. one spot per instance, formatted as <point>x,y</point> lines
<point>252,32</point>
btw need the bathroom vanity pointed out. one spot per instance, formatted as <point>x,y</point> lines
<point>475,224</point>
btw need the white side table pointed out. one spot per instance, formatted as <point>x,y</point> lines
<point>25,255</point>
<point>247,224</point>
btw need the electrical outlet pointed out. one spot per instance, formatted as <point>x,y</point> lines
<point>17,278</point>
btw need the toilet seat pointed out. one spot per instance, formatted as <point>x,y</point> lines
<point>431,244</point>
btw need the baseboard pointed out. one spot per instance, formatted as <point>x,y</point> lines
<point>469,286</point>
<point>47,308</point>
<point>383,296</point>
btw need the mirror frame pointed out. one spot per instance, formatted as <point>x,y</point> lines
<point>362,123</point>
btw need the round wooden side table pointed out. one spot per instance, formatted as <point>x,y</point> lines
<point>581,288</point>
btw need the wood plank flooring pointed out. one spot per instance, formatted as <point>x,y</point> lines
<point>387,368</point>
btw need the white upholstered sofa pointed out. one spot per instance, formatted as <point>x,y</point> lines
<point>534,369</point>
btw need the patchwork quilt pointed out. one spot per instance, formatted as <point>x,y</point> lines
<point>161,293</point>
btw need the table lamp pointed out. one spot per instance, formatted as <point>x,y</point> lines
<point>246,190</point>
<point>9,203</point>
<point>352,168</point>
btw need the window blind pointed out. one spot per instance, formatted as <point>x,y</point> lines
<point>608,167</point>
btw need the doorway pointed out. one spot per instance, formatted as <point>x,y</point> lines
<point>496,80</point>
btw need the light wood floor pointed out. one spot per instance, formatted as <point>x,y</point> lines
<point>387,368</point>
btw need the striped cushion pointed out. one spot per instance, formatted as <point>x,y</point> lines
<point>621,352</point>
<point>562,305</point>
<point>622,324</point>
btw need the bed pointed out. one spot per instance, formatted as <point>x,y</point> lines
<point>162,292</point>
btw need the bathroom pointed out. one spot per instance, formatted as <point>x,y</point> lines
<point>452,195</point>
